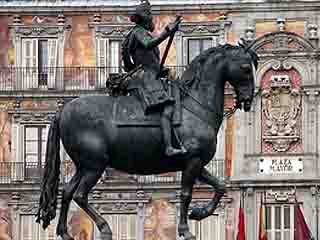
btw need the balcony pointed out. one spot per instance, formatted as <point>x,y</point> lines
<point>57,80</point>
<point>31,173</point>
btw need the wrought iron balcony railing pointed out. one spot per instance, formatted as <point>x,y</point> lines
<point>58,79</point>
<point>22,172</point>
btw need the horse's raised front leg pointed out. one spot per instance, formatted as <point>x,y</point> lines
<point>88,181</point>
<point>188,178</point>
<point>220,189</point>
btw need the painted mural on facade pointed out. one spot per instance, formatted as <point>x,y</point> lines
<point>80,226</point>
<point>5,140</point>
<point>160,222</point>
<point>281,118</point>
<point>5,220</point>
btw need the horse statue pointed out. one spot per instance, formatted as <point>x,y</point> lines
<point>94,141</point>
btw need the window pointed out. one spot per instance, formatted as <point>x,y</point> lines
<point>280,221</point>
<point>123,226</point>
<point>39,63</point>
<point>210,228</point>
<point>109,37</point>
<point>31,231</point>
<point>109,58</point>
<point>35,139</point>
<point>195,37</point>
<point>197,46</point>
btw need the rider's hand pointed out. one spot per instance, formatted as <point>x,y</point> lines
<point>173,27</point>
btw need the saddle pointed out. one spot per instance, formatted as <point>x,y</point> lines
<point>128,108</point>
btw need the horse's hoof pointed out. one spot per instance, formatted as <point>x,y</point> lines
<point>106,236</point>
<point>65,236</point>
<point>187,236</point>
<point>198,214</point>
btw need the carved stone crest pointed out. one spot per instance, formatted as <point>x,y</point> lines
<point>282,110</point>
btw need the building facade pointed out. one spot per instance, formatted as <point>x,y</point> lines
<point>54,51</point>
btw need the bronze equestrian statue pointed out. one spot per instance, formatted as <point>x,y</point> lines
<point>142,48</point>
<point>94,141</point>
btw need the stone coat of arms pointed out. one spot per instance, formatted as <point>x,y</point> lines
<point>281,104</point>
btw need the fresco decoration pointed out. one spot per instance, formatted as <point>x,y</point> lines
<point>79,47</point>
<point>161,22</point>
<point>160,221</point>
<point>5,43</point>
<point>281,112</point>
<point>229,145</point>
<point>263,27</point>
<point>80,226</point>
<point>230,222</point>
<point>34,19</point>
<point>5,221</point>
<point>31,104</point>
<point>5,140</point>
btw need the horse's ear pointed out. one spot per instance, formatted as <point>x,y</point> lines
<point>243,43</point>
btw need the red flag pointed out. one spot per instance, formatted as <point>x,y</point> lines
<point>301,229</point>
<point>241,224</point>
<point>262,221</point>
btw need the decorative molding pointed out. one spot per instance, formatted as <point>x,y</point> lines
<point>32,117</point>
<point>213,27</point>
<point>120,206</point>
<point>250,191</point>
<point>31,208</point>
<point>280,43</point>
<point>284,64</point>
<point>280,195</point>
<point>105,30</point>
<point>38,30</point>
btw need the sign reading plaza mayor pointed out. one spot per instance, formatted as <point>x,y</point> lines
<point>280,165</point>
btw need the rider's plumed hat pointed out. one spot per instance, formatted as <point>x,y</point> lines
<point>142,10</point>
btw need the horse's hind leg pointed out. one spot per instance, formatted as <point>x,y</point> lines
<point>220,189</point>
<point>68,191</point>
<point>188,178</point>
<point>88,180</point>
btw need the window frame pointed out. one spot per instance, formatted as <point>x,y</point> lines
<point>105,33</point>
<point>186,60</point>
<point>217,30</point>
<point>273,229</point>
<point>39,165</point>
<point>21,33</point>
<point>39,231</point>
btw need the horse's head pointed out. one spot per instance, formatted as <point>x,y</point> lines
<point>240,69</point>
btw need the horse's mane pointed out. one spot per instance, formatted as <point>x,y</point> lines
<point>192,75</point>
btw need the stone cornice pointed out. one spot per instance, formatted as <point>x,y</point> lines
<point>158,6</point>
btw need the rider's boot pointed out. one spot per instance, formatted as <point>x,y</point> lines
<point>166,127</point>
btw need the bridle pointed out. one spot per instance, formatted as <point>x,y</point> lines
<point>206,107</point>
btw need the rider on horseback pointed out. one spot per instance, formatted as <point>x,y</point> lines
<point>142,48</point>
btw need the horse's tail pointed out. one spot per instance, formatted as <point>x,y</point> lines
<point>50,179</point>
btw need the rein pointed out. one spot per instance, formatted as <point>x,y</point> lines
<point>206,107</point>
